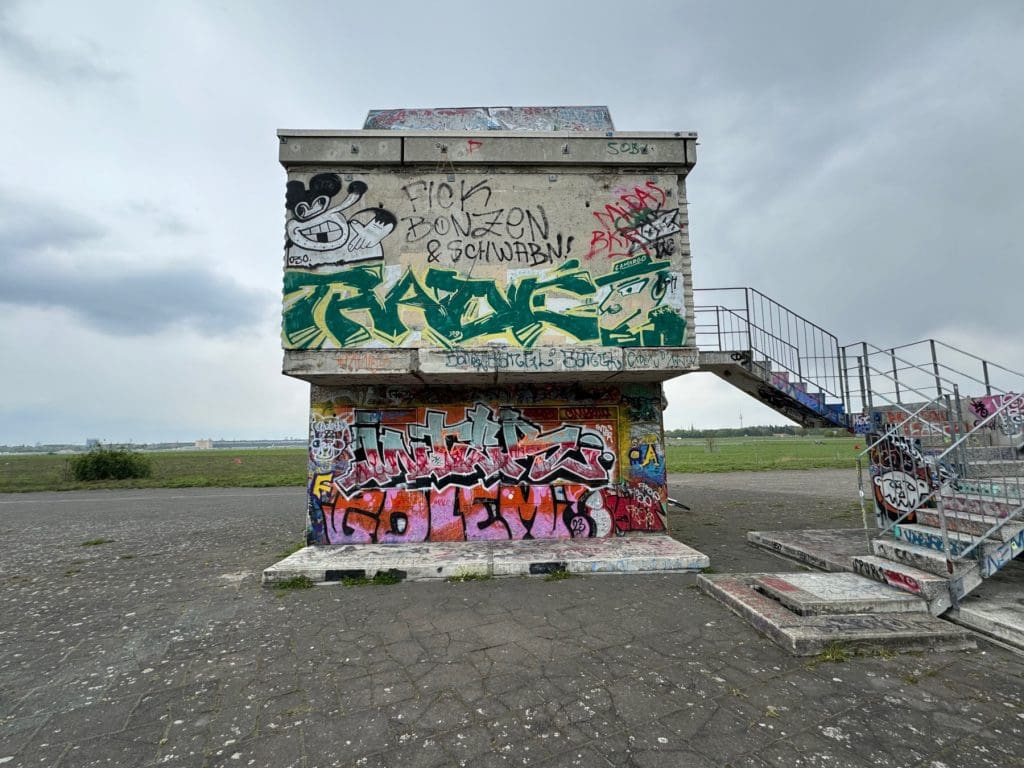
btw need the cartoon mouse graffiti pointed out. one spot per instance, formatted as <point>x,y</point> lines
<point>319,234</point>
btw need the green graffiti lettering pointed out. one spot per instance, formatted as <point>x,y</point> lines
<point>356,306</point>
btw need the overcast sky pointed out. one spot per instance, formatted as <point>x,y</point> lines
<point>860,162</point>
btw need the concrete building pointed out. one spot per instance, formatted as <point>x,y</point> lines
<point>485,303</point>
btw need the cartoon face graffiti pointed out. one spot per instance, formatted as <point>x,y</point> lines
<point>632,285</point>
<point>899,492</point>
<point>319,234</point>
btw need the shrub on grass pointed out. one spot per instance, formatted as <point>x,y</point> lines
<point>110,464</point>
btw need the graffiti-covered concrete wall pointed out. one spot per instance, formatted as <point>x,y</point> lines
<point>415,260</point>
<point>486,317</point>
<point>391,465</point>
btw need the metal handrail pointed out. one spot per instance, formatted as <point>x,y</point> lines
<point>739,317</point>
<point>758,306</point>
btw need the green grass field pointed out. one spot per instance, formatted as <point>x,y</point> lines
<point>171,469</point>
<point>733,454</point>
<point>287,466</point>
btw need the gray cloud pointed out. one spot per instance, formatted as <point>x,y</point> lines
<point>55,66</point>
<point>165,222</point>
<point>116,299</point>
<point>858,164</point>
<point>133,303</point>
<point>28,225</point>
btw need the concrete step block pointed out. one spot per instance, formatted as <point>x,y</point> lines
<point>932,588</point>
<point>829,593</point>
<point>965,522</point>
<point>965,576</point>
<point>810,635</point>
<point>931,538</point>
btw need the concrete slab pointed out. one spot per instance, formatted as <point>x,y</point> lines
<point>442,560</point>
<point>832,593</point>
<point>829,549</point>
<point>810,635</point>
<point>996,608</point>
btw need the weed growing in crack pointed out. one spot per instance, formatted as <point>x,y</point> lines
<point>295,582</point>
<point>470,577</point>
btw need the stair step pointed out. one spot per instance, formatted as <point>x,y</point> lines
<point>831,593</point>
<point>964,578</point>
<point>1004,489</point>
<point>809,635</point>
<point>932,588</point>
<point>977,505</point>
<point>965,522</point>
<point>931,538</point>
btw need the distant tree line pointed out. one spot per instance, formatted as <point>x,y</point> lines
<point>764,431</point>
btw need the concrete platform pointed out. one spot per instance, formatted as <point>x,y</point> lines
<point>828,550</point>
<point>996,608</point>
<point>442,560</point>
<point>831,593</point>
<point>810,635</point>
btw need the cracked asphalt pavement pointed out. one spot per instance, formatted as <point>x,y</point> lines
<point>160,647</point>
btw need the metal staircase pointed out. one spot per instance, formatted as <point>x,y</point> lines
<point>943,470</point>
<point>773,354</point>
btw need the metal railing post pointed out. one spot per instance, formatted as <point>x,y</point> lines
<point>867,376</point>
<point>860,376</point>
<point>956,432</point>
<point>895,375</point>
<point>844,384</point>
<point>935,368</point>
<point>746,312</point>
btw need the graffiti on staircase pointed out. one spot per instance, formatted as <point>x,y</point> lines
<point>1003,554</point>
<point>1008,421</point>
<point>815,403</point>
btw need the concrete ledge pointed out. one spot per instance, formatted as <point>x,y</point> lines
<point>828,549</point>
<point>810,635</point>
<point>442,560</point>
<point>343,366</point>
<point>1002,621</point>
<point>489,364</point>
<point>995,608</point>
